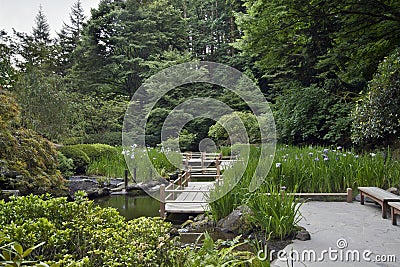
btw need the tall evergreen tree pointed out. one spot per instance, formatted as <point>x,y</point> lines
<point>41,30</point>
<point>118,40</point>
<point>37,49</point>
<point>69,37</point>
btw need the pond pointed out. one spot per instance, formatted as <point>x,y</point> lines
<point>131,207</point>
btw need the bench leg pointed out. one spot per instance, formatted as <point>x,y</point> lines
<point>384,210</point>
<point>394,219</point>
<point>361,198</point>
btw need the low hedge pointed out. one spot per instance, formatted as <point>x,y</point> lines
<point>109,138</point>
<point>80,159</point>
<point>96,151</point>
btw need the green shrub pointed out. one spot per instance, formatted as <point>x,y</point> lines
<point>28,161</point>
<point>66,165</point>
<point>82,234</point>
<point>13,254</point>
<point>218,254</point>
<point>376,116</point>
<point>109,138</point>
<point>95,151</point>
<point>79,158</point>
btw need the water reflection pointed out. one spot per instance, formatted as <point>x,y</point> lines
<point>131,206</point>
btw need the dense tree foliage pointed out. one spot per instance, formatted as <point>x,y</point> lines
<point>333,47</point>
<point>312,60</point>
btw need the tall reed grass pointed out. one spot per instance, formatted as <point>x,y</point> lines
<point>299,169</point>
<point>319,169</point>
<point>140,158</point>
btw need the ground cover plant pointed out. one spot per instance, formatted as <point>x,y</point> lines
<point>57,232</point>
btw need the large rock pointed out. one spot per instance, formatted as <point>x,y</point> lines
<point>393,190</point>
<point>237,221</point>
<point>303,235</point>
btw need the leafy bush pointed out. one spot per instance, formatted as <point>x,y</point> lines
<point>230,122</point>
<point>216,254</point>
<point>66,165</point>
<point>29,162</point>
<point>95,151</point>
<point>377,114</point>
<point>13,254</point>
<point>82,234</point>
<point>79,158</point>
<point>109,138</point>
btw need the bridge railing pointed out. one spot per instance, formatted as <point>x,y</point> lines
<point>209,165</point>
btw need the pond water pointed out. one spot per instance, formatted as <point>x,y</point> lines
<point>131,207</point>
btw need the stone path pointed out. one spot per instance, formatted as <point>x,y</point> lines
<point>351,234</point>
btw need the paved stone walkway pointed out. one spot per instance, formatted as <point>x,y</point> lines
<point>351,234</point>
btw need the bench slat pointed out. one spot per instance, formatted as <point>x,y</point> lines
<point>379,193</point>
<point>395,205</point>
<point>381,196</point>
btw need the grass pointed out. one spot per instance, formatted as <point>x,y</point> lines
<point>299,169</point>
<point>109,166</point>
<point>275,212</point>
<point>319,169</point>
<point>114,165</point>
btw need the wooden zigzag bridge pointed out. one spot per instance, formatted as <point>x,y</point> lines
<point>190,191</point>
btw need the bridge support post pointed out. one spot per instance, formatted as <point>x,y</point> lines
<point>162,201</point>
<point>126,179</point>
<point>202,161</point>
<point>180,181</point>
<point>218,169</point>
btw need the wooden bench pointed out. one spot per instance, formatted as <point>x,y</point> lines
<point>379,195</point>
<point>395,209</point>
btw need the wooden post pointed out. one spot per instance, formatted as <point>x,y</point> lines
<point>202,162</point>
<point>162,201</point>
<point>218,168</point>
<point>187,177</point>
<point>173,193</point>
<point>126,179</point>
<point>180,181</point>
<point>349,195</point>
<point>134,175</point>
<point>283,189</point>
